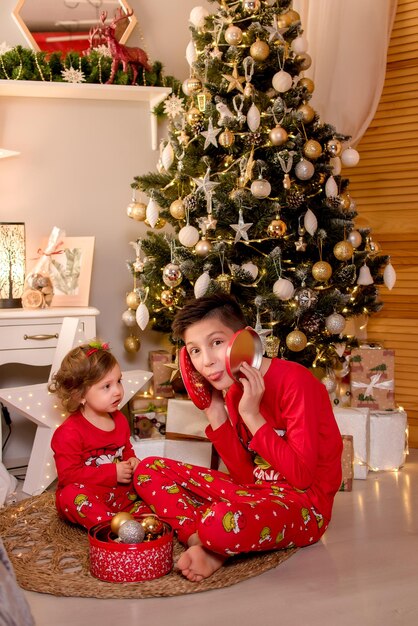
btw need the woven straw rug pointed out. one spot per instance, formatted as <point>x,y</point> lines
<point>51,556</point>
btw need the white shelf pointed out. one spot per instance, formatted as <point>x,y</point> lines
<point>48,89</point>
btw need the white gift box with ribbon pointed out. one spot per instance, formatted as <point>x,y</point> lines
<point>388,439</point>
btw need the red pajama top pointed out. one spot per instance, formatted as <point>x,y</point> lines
<point>307,456</point>
<point>87,455</point>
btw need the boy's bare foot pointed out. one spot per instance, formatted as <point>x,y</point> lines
<point>198,563</point>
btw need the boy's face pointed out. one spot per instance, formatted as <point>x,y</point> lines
<point>105,396</point>
<point>207,342</point>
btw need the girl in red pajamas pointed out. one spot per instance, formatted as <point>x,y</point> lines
<point>276,435</point>
<point>93,454</point>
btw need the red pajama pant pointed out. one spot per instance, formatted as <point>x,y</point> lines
<point>229,518</point>
<point>88,505</point>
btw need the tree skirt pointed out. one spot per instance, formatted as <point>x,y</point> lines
<point>51,556</point>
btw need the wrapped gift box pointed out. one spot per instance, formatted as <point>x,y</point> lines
<point>184,450</point>
<point>347,462</point>
<point>388,440</point>
<point>372,378</point>
<point>148,416</point>
<point>356,422</point>
<point>185,420</point>
<point>159,361</point>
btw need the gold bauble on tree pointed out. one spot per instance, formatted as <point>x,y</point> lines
<point>226,138</point>
<point>276,228</point>
<point>160,223</point>
<point>293,16</point>
<point>132,344</point>
<point>278,135</point>
<point>193,115</point>
<point>322,271</point>
<point>259,50</point>
<point>137,211</point>
<point>296,341</point>
<point>308,84</point>
<point>233,35</point>
<point>307,113</point>
<point>177,209</point>
<point>312,149</point>
<point>132,300</point>
<point>167,297</point>
<point>343,250</point>
<point>334,147</point>
<point>203,247</point>
<point>345,200</point>
<point>194,84</point>
<point>251,6</point>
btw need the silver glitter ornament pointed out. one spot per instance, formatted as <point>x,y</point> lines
<point>335,323</point>
<point>131,532</point>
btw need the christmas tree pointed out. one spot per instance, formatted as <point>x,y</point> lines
<point>250,179</point>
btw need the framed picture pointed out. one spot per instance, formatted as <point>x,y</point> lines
<point>70,271</point>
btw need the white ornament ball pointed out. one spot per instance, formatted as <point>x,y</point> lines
<point>188,236</point>
<point>153,212</point>
<point>129,318</point>
<point>197,16</point>
<point>260,188</point>
<point>251,268</point>
<point>282,81</point>
<point>331,188</point>
<point>299,44</point>
<point>201,285</point>
<point>389,276</point>
<point>350,157</point>
<point>304,170</point>
<point>283,289</point>
<point>310,222</point>
<point>253,118</point>
<point>142,316</point>
<point>191,54</point>
<point>355,238</point>
<point>335,323</point>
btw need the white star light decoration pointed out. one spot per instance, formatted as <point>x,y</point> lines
<point>210,135</point>
<point>241,228</point>
<point>41,407</point>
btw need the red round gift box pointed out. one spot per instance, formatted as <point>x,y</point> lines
<point>116,562</point>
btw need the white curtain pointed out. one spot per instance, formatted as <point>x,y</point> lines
<point>348,42</point>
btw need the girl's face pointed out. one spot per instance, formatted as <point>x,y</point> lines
<point>207,343</point>
<point>105,396</point>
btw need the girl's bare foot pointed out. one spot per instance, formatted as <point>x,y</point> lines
<point>198,563</point>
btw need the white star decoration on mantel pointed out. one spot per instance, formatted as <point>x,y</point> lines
<point>41,407</point>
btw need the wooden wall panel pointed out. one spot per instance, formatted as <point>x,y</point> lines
<point>385,187</point>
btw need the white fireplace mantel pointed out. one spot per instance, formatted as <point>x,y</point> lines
<point>48,89</point>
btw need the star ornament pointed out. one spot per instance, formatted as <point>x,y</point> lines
<point>210,135</point>
<point>235,81</point>
<point>241,228</point>
<point>275,32</point>
<point>205,184</point>
<point>40,406</point>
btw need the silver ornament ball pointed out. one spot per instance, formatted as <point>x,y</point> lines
<point>131,532</point>
<point>172,275</point>
<point>335,323</point>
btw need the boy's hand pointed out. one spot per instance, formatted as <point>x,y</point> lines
<point>133,462</point>
<point>124,472</point>
<point>249,407</point>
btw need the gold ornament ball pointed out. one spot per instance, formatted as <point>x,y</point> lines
<point>172,275</point>
<point>251,6</point>
<point>307,113</point>
<point>304,61</point>
<point>296,341</point>
<point>132,344</point>
<point>272,344</point>
<point>193,84</point>
<point>322,271</point>
<point>152,525</point>
<point>343,250</point>
<point>177,209</point>
<point>276,228</point>
<point>345,200</point>
<point>119,519</point>
<point>137,211</point>
<point>259,50</point>
<point>193,115</point>
<point>284,20</point>
<point>293,16</point>
<point>167,297</point>
<point>278,135</point>
<point>161,222</point>
<point>308,84</point>
<point>312,149</point>
<point>233,35</point>
<point>203,247</point>
<point>334,147</point>
<point>132,300</point>
<point>226,138</point>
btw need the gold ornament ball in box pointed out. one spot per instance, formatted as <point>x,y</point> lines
<point>203,247</point>
<point>226,138</point>
<point>278,135</point>
<point>152,526</point>
<point>322,271</point>
<point>272,344</point>
<point>132,344</point>
<point>233,35</point>
<point>334,147</point>
<point>193,116</point>
<point>307,113</point>
<point>137,211</point>
<point>308,84</point>
<point>177,209</point>
<point>172,275</point>
<point>132,300</point>
<point>251,6</point>
<point>312,149</point>
<point>119,519</point>
<point>296,341</point>
<point>259,50</point>
<point>167,297</point>
<point>276,228</point>
<point>343,250</point>
<point>224,281</point>
<point>193,84</point>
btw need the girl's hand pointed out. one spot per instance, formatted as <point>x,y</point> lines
<point>124,472</point>
<point>249,407</point>
<point>216,412</point>
<point>133,462</point>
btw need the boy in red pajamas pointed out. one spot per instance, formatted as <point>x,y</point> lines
<point>278,438</point>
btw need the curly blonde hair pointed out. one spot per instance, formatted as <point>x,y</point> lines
<point>81,368</point>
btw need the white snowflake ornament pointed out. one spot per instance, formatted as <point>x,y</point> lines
<point>71,75</point>
<point>173,106</point>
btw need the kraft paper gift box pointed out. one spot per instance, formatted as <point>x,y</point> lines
<point>148,416</point>
<point>347,461</point>
<point>388,440</point>
<point>356,422</point>
<point>159,360</point>
<point>372,378</point>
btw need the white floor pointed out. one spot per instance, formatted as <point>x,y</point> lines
<point>364,572</point>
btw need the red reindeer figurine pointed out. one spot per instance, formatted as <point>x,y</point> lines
<point>129,57</point>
